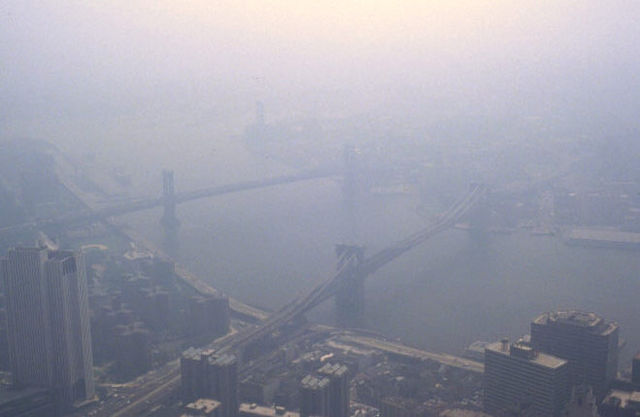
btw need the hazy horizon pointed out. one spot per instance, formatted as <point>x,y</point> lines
<point>94,66</point>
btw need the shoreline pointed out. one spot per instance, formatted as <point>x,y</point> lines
<point>238,308</point>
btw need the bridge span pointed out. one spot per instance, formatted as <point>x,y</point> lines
<point>177,198</point>
<point>355,269</point>
<point>350,269</point>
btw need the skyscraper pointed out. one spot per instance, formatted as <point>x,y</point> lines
<point>338,388</point>
<point>48,322</point>
<point>315,396</point>
<point>520,381</point>
<point>585,340</point>
<point>635,369</point>
<point>208,374</point>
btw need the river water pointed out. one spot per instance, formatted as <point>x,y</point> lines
<point>266,246</point>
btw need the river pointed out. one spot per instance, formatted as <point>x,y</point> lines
<point>267,246</point>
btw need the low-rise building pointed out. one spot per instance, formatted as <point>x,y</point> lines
<point>202,407</point>
<point>254,410</point>
<point>620,404</point>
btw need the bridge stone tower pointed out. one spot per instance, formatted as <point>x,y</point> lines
<point>479,218</point>
<point>349,298</point>
<point>349,186</point>
<point>349,193</point>
<point>169,220</point>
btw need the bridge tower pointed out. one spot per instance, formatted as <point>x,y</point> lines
<point>349,299</point>
<point>479,218</point>
<point>349,192</point>
<point>349,186</point>
<point>169,220</point>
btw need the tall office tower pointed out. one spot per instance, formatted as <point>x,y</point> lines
<point>315,396</point>
<point>48,322</point>
<point>338,388</point>
<point>585,340</point>
<point>207,374</point>
<point>4,345</point>
<point>224,382</point>
<point>635,369</point>
<point>191,375</point>
<point>519,380</point>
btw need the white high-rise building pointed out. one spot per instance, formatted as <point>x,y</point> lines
<point>48,322</point>
<point>520,381</point>
<point>587,341</point>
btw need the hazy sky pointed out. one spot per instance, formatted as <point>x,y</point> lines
<point>354,55</point>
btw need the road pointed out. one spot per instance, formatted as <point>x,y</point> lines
<point>145,392</point>
<point>402,350</point>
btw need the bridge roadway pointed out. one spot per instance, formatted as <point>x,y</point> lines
<point>152,394</point>
<point>183,197</point>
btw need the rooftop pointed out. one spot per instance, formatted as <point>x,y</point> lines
<point>203,406</point>
<point>29,249</point>
<point>623,399</point>
<point>224,359</point>
<point>458,412</point>
<point>209,355</point>
<point>259,410</point>
<point>192,353</point>
<point>333,370</point>
<point>538,358</point>
<point>314,383</point>
<point>590,321</point>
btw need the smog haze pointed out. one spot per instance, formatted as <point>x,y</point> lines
<point>535,100</point>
